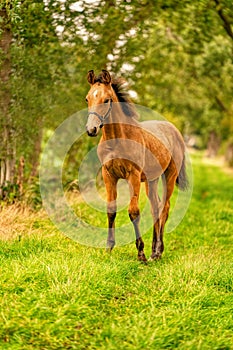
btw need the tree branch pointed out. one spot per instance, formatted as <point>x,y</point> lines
<point>221,104</point>
<point>226,23</point>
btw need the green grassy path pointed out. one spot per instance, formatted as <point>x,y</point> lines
<point>56,294</point>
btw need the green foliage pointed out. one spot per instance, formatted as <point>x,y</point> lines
<point>186,65</point>
<point>177,56</point>
<point>57,294</point>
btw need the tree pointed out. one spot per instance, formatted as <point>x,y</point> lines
<point>177,56</point>
<point>7,151</point>
<point>181,60</point>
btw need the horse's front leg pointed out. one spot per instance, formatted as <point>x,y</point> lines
<point>111,188</point>
<point>134,181</point>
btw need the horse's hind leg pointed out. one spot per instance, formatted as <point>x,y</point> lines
<point>157,241</point>
<point>111,188</point>
<point>169,181</point>
<point>134,213</point>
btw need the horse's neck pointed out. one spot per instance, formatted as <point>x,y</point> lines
<point>118,126</point>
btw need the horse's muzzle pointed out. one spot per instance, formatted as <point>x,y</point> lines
<point>92,132</point>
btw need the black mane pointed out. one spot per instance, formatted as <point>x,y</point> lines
<point>119,86</point>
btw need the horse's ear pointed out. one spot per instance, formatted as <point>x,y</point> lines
<point>106,77</point>
<point>91,77</point>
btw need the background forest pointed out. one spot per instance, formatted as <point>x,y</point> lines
<point>176,56</point>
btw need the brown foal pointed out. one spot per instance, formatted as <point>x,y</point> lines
<point>137,152</point>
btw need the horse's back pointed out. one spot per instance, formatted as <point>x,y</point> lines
<point>170,139</point>
<point>166,133</point>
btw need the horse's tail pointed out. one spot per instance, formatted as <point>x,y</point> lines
<point>182,179</point>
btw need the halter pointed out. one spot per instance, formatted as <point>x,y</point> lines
<point>103,118</point>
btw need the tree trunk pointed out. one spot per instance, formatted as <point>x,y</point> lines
<point>213,144</point>
<point>8,147</point>
<point>35,158</point>
<point>20,179</point>
<point>229,154</point>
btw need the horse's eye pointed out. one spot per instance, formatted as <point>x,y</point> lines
<point>86,100</point>
<point>107,100</point>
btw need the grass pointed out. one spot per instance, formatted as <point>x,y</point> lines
<point>57,294</point>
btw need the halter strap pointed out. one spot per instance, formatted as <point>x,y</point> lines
<point>102,118</point>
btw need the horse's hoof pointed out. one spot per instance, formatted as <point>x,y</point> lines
<point>110,246</point>
<point>109,250</point>
<point>142,258</point>
<point>155,257</point>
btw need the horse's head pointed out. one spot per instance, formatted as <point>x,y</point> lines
<point>99,98</point>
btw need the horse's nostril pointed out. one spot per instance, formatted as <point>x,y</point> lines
<point>92,131</point>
